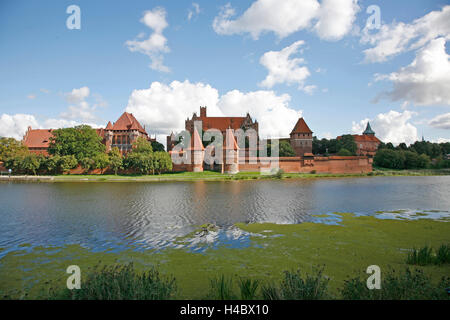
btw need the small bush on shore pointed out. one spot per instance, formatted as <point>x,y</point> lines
<point>410,285</point>
<point>121,282</point>
<point>425,256</point>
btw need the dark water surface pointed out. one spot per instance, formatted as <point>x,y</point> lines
<point>119,215</point>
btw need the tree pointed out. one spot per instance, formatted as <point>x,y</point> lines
<point>116,160</point>
<point>25,162</point>
<point>347,141</point>
<point>101,161</point>
<point>10,147</point>
<point>156,146</point>
<point>52,164</point>
<point>286,149</point>
<point>81,142</point>
<point>344,152</point>
<point>388,158</point>
<point>87,164</point>
<point>140,162</point>
<point>141,145</point>
<point>67,162</point>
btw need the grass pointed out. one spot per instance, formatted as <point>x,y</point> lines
<point>426,256</point>
<point>409,285</point>
<point>120,282</point>
<point>346,249</point>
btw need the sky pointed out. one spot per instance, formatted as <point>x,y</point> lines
<point>337,63</point>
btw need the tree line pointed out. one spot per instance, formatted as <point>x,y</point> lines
<point>81,146</point>
<point>420,154</point>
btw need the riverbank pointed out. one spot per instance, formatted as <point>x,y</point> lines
<point>215,176</point>
<point>344,249</point>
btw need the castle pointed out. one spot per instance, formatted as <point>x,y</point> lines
<point>121,134</point>
<point>127,129</point>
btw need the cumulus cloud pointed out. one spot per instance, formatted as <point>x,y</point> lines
<point>441,121</point>
<point>441,140</point>
<point>163,108</point>
<point>331,20</point>
<point>15,125</point>
<point>193,11</point>
<point>426,81</point>
<point>393,39</point>
<point>392,127</point>
<point>79,108</point>
<point>156,44</point>
<point>284,69</point>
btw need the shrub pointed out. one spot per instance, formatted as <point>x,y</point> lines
<point>425,256</point>
<point>121,282</point>
<point>248,288</point>
<point>344,152</point>
<point>221,288</point>
<point>410,285</point>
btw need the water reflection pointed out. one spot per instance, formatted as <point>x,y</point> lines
<point>102,216</point>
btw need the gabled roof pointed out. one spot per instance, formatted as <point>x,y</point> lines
<point>109,126</point>
<point>127,122</point>
<point>37,138</point>
<point>301,127</point>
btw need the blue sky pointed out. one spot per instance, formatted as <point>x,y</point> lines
<point>53,76</point>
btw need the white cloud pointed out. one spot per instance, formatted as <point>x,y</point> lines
<point>284,69</point>
<point>331,20</point>
<point>392,127</point>
<point>79,109</point>
<point>441,121</point>
<point>193,11</point>
<point>156,45</point>
<point>426,81</point>
<point>16,125</point>
<point>163,108</point>
<point>441,140</point>
<point>393,39</point>
<point>336,18</point>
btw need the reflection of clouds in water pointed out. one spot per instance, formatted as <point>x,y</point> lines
<point>407,214</point>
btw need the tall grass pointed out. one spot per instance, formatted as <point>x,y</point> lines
<point>294,286</point>
<point>410,285</point>
<point>121,282</point>
<point>426,256</point>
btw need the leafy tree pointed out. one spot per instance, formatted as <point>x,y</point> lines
<point>141,145</point>
<point>388,158</point>
<point>52,164</point>
<point>347,141</point>
<point>116,160</point>
<point>101,161</point>
<point>25,162</point>
<point>140,162</point>
<point>286,149</point>
<point>156,146</point>
<point>67,162</point>
<point>87,164</point>
<point>10,147</point>
<point>81,142</point>
<point>162,162</point>
<point>344,152</point>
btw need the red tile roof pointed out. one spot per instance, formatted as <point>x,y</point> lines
<point>301,127</point>
<point>221,123</point>
<point>37,138</point>
<point>365,138</point>
<point>127,122</point>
